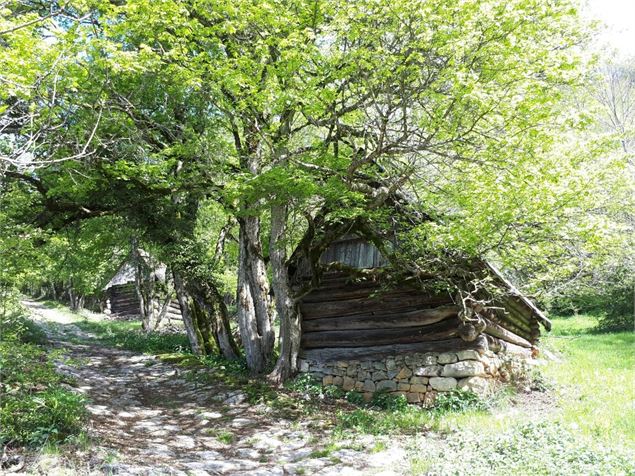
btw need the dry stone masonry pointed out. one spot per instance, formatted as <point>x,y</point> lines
<point>419,377</point>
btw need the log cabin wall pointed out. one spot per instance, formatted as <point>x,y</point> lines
<point>345,319</point>
<point>123,300</point>
<point>362,337</point>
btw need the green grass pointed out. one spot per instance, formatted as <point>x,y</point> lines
<point>128,335</point>
<point>595,379</point>
<point>589,430</point>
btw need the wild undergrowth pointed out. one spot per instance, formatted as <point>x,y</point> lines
<point>35,407</point>
<point>544,448</point>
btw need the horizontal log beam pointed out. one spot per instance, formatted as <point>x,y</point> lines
<point>370,305</point>
<point>510,326</point>
<point>361,353</point>
<point>499,345</point>
<point>340,293</point>
<point>495,330</point>
<point>372,337</point>
<point>419,317</point>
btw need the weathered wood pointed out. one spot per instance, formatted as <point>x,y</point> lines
<point>371,305</point>
<point>370,337</point>
<point>499,345</point>
<point>495,330</point>
<point>513,328</point>
<point>348,353</point>
<point>516,312</point>
<point>509,315</point>
<point>418,317</point>
<point>345,292</point>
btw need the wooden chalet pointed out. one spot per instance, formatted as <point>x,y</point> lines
<point>354,318</point>
<point>122,298</point>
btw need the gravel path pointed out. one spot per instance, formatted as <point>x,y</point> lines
<point>148,418</point>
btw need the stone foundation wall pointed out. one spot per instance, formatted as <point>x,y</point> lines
<point>419,377</point>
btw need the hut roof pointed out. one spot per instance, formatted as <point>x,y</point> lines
<point>127,271</point>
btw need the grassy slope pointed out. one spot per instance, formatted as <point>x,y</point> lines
<point>595,379</point>
<point>591,429</point>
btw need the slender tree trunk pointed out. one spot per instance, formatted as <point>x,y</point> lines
<point>258,282</point>
<point>254,306</point>
<point>247,322</point>
<point>190,327</point>
<point>287,364</point>
<point>161,310</point>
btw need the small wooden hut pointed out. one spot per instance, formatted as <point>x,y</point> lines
<point>122,293</point>
<point>363,332</point>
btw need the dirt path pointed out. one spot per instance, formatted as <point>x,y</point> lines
<point>147,418</point>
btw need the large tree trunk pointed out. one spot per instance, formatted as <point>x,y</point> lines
<point>205,318</point>
<point>254,306</point>
<point>287,364</point>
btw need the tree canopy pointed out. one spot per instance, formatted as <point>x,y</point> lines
<point>198,123</point>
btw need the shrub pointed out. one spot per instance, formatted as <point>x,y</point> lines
<point>34,419</point>
<point>34,407</point>
<point>356,398</point>
<point>389,401</point>
<point>458,400</point>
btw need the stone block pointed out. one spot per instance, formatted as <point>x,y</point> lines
<point>327,380</point>
<point>368,396</point>
<point>419,388</point>
<point>348,384</point>
<point>379,375</point>
<point>404,387</point>
<point>429,398</point>
<point>304,365</point>
<point>342,364</point>
<point>392,373</point>
<point>428,359</point>
<point>419,380</point>
<point>465,368</point>
<point>352,371</point>
<point>413,397</point>
<point>390,364</point>
<point>410,360</point>
<point>443,384</point>
<point>427,371</point>
<point>359,386</point>
<point>366,365</point>
<point>386,385</point>
<point>337,380</point>
<point>478,385</point>
<point>379,365</point>
<point>369,386</point>
<point>468,355</point>
<point>404,373</point>
<point>447,358</point>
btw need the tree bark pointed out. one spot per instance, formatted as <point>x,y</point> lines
<point>254,306</point>
<point>184,304</point>
<point>287,309</point>
<point>205,318</point>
